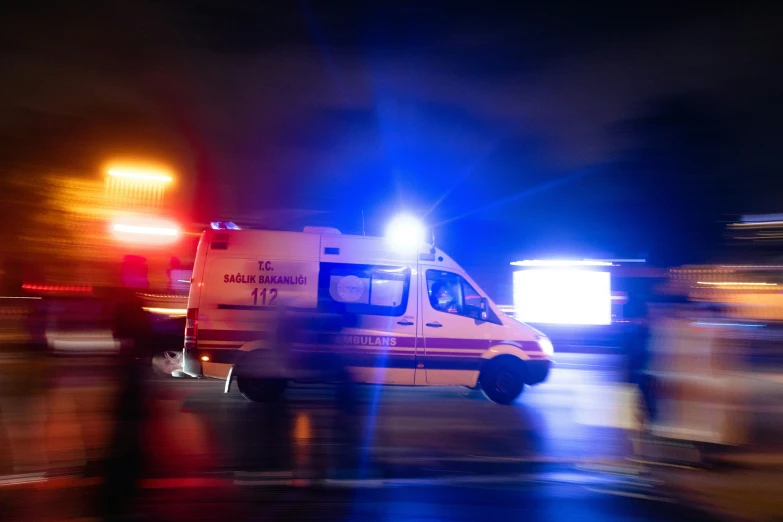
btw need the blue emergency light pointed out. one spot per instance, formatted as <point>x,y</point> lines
<point>224,225</point>
<point>405,232</point>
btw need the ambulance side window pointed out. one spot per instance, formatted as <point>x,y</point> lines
<point>363,289</point>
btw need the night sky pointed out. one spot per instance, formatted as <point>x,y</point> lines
<point>617,130</point>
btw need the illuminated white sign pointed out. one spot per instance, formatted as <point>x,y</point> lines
<point>563,296</point>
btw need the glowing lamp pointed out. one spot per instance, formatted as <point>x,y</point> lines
<point>546,345</point>
<point>405,232</point>
<point>148,231</point>
<point>563,296</point>
<point>138,174</point>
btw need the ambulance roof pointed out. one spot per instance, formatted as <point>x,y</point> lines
<point>328,247</point>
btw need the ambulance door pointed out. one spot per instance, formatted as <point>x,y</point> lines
<point>380,347</point>
<point>247,274</point>
<point>454,335</point>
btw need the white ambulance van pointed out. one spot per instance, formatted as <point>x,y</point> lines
<point>420,319</point>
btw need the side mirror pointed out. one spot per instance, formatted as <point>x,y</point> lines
<point>483,309</point>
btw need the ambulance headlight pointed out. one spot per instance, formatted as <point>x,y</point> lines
<point>546,345</point>
<point>405,232</point>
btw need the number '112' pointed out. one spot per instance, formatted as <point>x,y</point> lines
<point>261,296</point>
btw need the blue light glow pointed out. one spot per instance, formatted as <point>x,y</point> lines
<point>223,225</point>
<point>405,232</point>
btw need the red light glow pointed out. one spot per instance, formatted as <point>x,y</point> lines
<point>57,288</point>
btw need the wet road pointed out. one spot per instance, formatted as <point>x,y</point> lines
<point>566,420</point>
<point>411,453</point>
<point>429,503</point>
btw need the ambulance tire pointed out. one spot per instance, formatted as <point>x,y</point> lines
<point>261,390</point>
<point>502,379</point>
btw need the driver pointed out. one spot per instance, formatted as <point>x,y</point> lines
<point>443,298</point>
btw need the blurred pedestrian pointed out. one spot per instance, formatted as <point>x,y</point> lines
<point>636,343</point>
<point>124,462</point>
<point>327,363</point>
<point>698,362</point>
<point>314,346</point>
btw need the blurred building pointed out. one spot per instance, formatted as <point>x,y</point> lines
<point>756,237</point>
<point>749,279</point>
<point>74,229</point>
<point>751,292</point>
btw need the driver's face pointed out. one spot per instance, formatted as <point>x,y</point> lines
<point>444,292</point>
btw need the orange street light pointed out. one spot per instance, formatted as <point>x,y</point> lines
<point>140,174</point>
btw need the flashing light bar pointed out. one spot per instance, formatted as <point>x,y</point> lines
<point>561,262</point>
<point>140,175</point>
<point>224,225</point>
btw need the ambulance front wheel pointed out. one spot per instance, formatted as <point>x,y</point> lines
<point>502,379</point>
<point>261,390</point>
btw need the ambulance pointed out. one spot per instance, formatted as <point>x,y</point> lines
<point>419,319</point>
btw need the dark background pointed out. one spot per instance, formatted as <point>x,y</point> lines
<point>625,130</point>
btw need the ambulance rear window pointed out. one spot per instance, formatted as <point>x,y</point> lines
<point>363,289</point>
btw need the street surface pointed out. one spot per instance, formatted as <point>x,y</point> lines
<point>444,428</point>
<point>409,453</point>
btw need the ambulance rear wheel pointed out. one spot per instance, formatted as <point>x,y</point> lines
<point>503,379</point>
<point>261,390</point>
